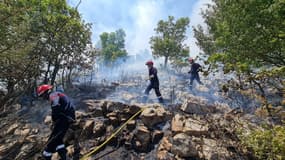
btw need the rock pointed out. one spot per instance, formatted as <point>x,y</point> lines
<point>32,138</point>
<point>88,128</point>
<point>113,118</point>
<point>164,155</point>
<point>99,128</point>
<point>134,108</point>
<point>154,115</point>
<point>47,120</point>
<point>115,106</point>
<point>8,148</point>
<point>22,132</point>
<point>197,108</point>
<point>127,97</point>
<point>131,125</point>
<point>138,144</point>
<point>95,107</point>
<point>156,136</point>
<point>163,150</point>
<point>110,129</point>
<point>183,146</point>
<point>80,115</point>
<point>127,139</point>
<point>143,138</point>
<point>70,136</point>
<point>195,128</point>
<point>189,126</point>
<point>177,123</point>
<point>12,128</point>
<point>123,116</point>
<point>212,150</point>
<point>70,151</point>
<point>143,134</point>
<point>26,150</point>
<point>165,144</point>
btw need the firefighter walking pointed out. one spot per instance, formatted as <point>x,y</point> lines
<point>194,72</point>
<point>154,82</point>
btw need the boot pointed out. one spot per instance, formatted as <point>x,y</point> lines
<point>160,100</point>
<point>144,99</point>
<point>190,87</point>
<point>62,153</point>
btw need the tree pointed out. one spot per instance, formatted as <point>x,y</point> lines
<point>169,38</point>
<point>16,49</point>
<point>246,38</point>
<point>66,38</point>
<point>113,46</point>
<point>39,38</point>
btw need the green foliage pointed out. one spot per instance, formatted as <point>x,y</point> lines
<point>16,46</point>
<point>266,143</point>
<point>169,38</point>
<point>246,39</point>
<point>113,46</point>
<point>40,39</point>
<point>206,42</point>
<point>64,38</point>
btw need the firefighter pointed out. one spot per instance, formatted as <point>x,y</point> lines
<point>154,82</point>
<point>194,72</point>
<point>63,114</point>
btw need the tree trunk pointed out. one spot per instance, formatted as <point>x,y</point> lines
<point>9,98</point>
<point>165,61</point>
<point>62,77</point>
<point>69,83</point>
<point>10,87</point>
<point>46,79</point>
<point>54,73</point>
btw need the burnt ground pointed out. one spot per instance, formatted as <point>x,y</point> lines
<point>24,133</point>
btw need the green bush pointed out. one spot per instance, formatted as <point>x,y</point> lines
<point>268,143</point>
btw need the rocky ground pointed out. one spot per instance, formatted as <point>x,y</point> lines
<point>191,125</point>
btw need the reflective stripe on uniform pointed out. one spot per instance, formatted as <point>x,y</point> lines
<point>47,154</point>
<point>60,147</point>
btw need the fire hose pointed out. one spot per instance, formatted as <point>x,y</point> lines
<point>114,134</point>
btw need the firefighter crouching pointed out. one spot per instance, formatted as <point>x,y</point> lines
<point>63,114</point>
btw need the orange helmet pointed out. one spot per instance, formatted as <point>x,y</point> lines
<point>43,88</point>
<point>150,62</point>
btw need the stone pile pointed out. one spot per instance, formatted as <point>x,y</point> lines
<point>156,133</point>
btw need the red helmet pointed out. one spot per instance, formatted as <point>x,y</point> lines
<point>150,62</point>
<point>190,59</point>
<point>43,88</point>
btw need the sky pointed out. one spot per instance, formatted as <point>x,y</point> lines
<point>139,18</point>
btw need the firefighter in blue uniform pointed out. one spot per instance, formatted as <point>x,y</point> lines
<point>194,72</point>
<point>154,82</point>
<point>63,114</point>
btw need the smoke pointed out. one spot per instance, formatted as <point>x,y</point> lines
<point>130,74</point>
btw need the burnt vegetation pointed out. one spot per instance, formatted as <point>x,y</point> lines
<point>237,114</point>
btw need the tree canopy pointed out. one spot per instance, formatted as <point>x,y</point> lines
<point>169,38</point>
<point>39,40</point>
<point>113,46</point>
<point>246,38</point>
